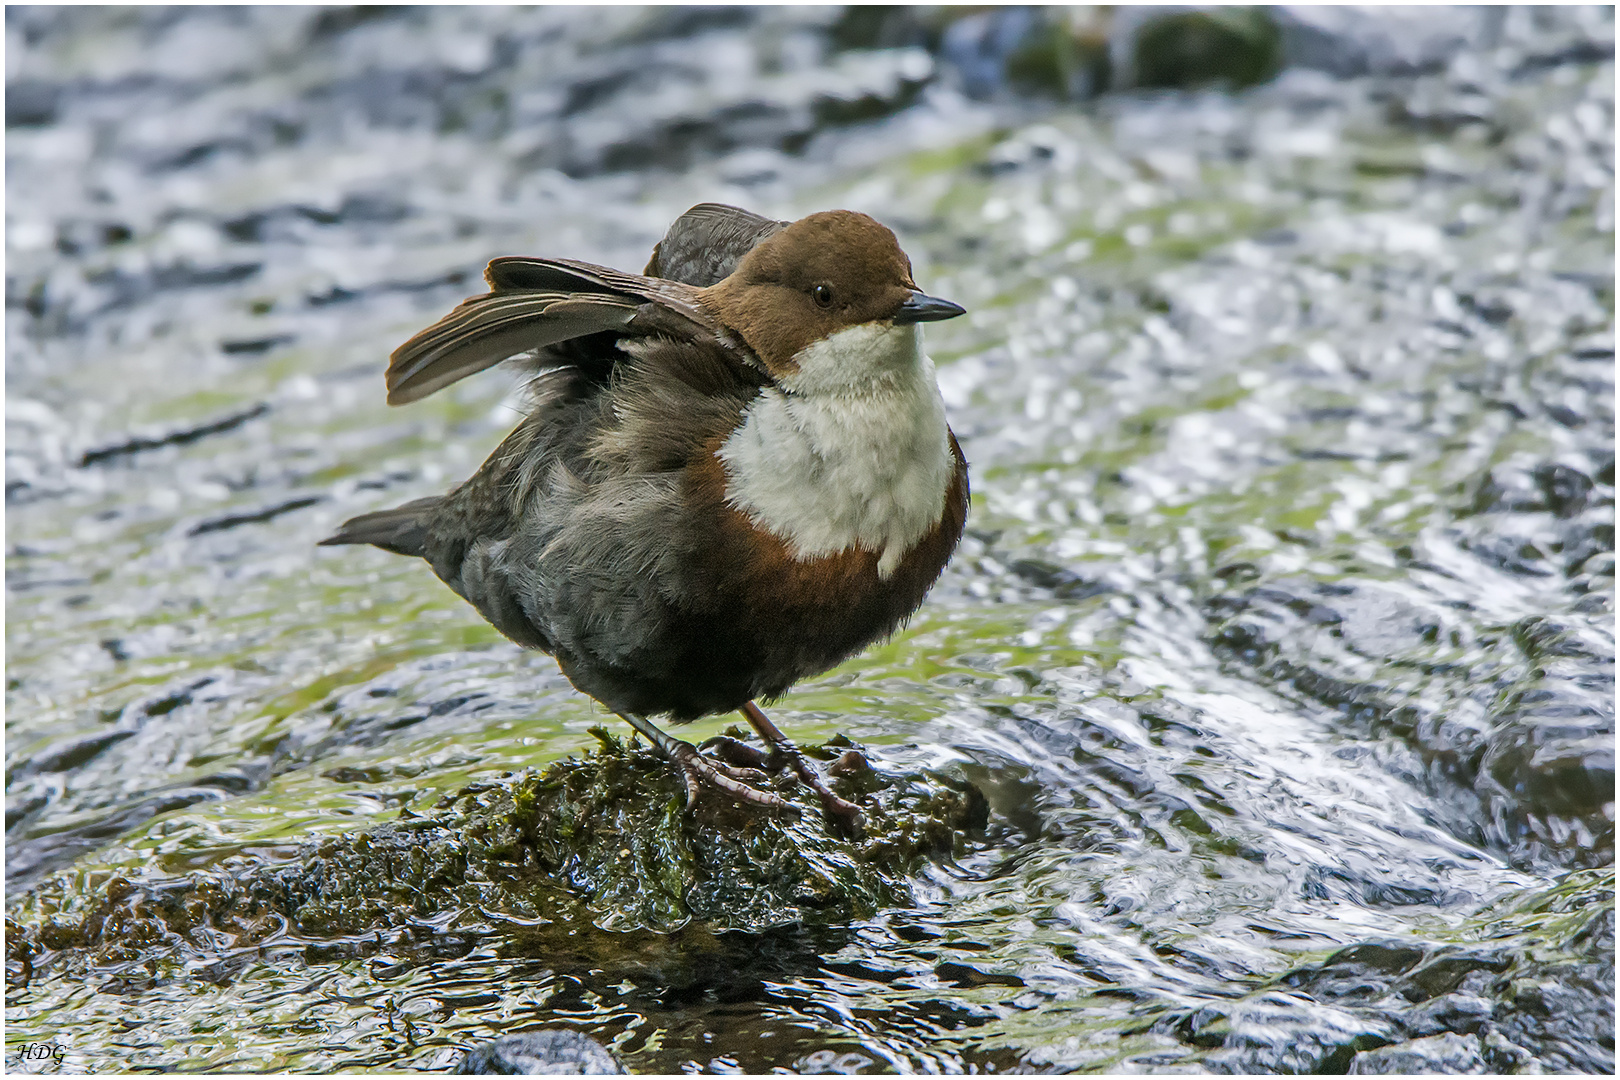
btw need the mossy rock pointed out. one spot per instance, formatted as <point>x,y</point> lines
<point>547,861</point>
<point>1228,47</point>
<point>1065,55</point>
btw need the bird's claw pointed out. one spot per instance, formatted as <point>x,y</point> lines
<point>839,808</point>
<point>783,756</point>
<point>783,750</point>
<point>699,772</point>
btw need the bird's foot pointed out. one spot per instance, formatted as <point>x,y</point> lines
<point>784,752</point>
<point>839,809</point>
<point>784,755</point>
<point>736,752</point>
<point>700,772</point>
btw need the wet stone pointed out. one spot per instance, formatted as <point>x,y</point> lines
<point>1232,47</point>
<point>1534,989</point>
<point>1436,1054</point>
<point>1275,1032</point>
<point>597,846</point>
<point>1458,1012</point>
<point>541,1053</point>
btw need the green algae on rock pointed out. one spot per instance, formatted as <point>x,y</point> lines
<point>603,843</point>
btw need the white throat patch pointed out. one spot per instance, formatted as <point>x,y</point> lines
<point>854,454</point>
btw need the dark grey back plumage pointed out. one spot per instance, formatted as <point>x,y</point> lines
<point>704,245</point>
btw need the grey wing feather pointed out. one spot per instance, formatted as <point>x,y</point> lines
<point>527,273</point>
<point>485,330</point>
<point>535,303</point>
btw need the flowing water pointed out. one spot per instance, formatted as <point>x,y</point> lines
<point>1281,640</point>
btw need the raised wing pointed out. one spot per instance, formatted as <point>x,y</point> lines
<point>535,303</point>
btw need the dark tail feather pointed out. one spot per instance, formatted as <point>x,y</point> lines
<point>402,530</point>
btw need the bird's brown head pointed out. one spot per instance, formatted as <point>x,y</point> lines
<point>823,274</point>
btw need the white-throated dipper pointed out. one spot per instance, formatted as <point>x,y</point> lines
<point>734,473</point>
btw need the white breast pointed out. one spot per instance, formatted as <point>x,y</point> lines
<point>855,453</point>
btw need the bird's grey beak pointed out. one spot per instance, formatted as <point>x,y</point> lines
<point>920,307</point>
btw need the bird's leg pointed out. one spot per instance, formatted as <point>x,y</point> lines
<point>699,770</point>
<point>781,744</point>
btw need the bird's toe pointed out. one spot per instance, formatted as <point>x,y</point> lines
<point>701,773</point>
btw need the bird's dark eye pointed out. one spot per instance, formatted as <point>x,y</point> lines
<point>822,296</point>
